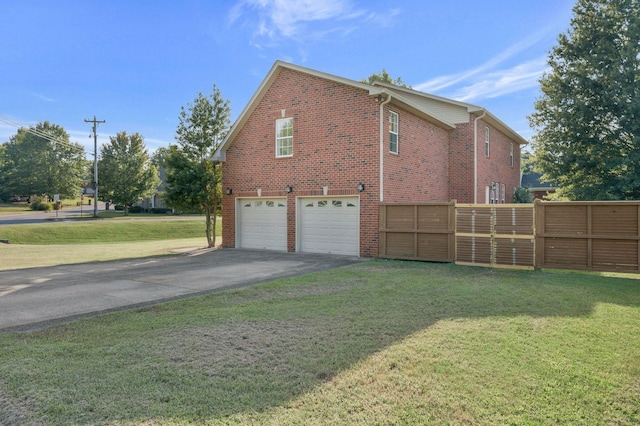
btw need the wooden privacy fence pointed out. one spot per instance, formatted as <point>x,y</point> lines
<point>599,236</point>
<point>495,235</point>
<point>417,231</point>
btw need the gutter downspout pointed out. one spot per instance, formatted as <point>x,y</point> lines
<point>475,156</point>
<point>382,104</point>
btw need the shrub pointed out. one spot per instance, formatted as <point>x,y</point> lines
<point>160,210</point>
<point>42,206</point>
<point>522,195</point>
<point>136,209</point>
<point>40,203</point>
<point>120,208</point>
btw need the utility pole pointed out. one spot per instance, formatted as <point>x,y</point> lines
<point>95,162</point>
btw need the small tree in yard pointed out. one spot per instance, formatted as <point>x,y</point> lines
<point>126,173</point>
<point>193,181</point>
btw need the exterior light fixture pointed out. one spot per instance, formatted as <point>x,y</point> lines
<point>361,187</point>
<point>229,191</point>
<point>289,189</point>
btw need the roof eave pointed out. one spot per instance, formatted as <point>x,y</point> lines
<point>471,109</point>
<point>421,112</point>
<point>499,124</point>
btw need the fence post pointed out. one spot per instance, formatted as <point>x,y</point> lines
<point>382,234</point>
<point>452,230</point>
<point>538,232</point>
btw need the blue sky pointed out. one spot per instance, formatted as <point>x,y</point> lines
<point>135,63</point>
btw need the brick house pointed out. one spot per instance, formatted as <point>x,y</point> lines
<point>312,155</point>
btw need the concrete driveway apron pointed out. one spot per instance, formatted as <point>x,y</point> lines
<point>36,298</point>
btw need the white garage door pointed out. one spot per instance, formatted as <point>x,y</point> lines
<point>262,223</point>
<point>329,225</point>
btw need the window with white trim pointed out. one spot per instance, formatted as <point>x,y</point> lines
<point>393,132</point>
<point>504,192</point>
<point>511,155</point>
<point>495,189</point>
<point>284,137</point>
<point>486,141</point>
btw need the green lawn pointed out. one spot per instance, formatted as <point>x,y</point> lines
<point>92,241</point>
<point>13,208</point>
<point>381,342</point>
<point>102,231</point>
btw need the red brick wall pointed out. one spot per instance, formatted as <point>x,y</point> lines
<point>495,168</point>
<point>335,144</point>
<point>419,172</point>
<point>461,164</point>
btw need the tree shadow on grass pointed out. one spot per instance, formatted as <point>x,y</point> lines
<point>209,358</point>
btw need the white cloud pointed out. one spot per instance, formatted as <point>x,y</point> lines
<point>274,20</point>
<point>41,97</point>
<point>520,77</point>
<point>384,20</point>
<point>443,82</point>
<point>487,80</point>
<point>288,15</point>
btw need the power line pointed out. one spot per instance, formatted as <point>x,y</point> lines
<point>36,132</point>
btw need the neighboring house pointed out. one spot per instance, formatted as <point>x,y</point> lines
<point>312,156</point>
<point>87,189</point>
<point>157,201</point>
<point>531,180</point>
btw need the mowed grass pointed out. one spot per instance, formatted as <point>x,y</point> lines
<point>18,256</point>
<point>13,208</point>
<point>51,244</point>
<point>380,342</point>
<point>109,231</point>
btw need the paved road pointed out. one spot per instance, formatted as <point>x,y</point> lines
<point>36,298</point>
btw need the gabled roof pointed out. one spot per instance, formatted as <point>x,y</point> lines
<point>531,180</point>
<point>412,100</point>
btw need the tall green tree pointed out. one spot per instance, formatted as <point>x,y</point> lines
<point>41,160</point>
<point>193,180</point>
<point>125,172</point>
<point>588,116</point>
<point>384,77</point>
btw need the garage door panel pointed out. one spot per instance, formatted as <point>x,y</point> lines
<point>262,224</point>
<point>330,225</point>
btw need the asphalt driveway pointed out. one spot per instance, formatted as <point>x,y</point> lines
<point>32,299</point>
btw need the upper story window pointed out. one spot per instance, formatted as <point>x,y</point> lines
<point>284,137</point>
<point>486,141</point>
<point>511,155</point>
<point>393,132</point>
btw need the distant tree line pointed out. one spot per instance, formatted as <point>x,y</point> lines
<point>41,161</point>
